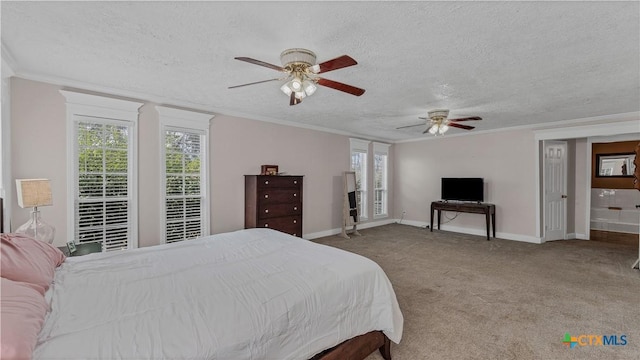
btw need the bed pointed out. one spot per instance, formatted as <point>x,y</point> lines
<point>249,294</point>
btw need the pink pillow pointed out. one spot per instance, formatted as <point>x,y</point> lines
<point>22,309</point>
<point>29,260</point>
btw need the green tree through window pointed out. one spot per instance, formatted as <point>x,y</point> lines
<point>102,195</point>
<point>183,179</point>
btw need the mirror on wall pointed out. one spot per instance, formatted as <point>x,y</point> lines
<point>615,165</point>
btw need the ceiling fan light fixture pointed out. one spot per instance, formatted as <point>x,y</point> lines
<point>300,95</point>
<point>438,129</point>
<point>286,89</point>
<point>296,84</point>
<point>309,87</point>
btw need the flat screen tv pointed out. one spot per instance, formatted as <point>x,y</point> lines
<point>463,189</point>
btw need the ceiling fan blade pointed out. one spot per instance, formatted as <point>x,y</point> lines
<point>257,82</point>
<point>466,127</point>
<point>261,63</point>
<point>340,86</point>
<point>427,130</point>
<point>337,63</point>
<point>467,118</point>
<point>293,100</point>
<point>408,126</point>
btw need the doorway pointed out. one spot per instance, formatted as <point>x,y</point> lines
<point>621,126</point>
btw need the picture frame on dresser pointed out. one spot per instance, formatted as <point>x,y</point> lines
<point>269,170</point>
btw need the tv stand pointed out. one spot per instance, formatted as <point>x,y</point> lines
<point>489,210</point>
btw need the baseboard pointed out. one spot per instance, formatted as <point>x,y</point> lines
<point>480,232</point>
<point>336,231</point>
<point>413,223</point>
<point>577,236</point>
<point>423,224</point>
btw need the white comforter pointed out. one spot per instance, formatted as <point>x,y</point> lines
<point>249,294</point>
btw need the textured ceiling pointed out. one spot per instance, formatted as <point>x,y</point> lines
<point>512,63</point>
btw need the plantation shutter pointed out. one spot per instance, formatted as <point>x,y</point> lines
<point>184,182</point>
<point>103,199</point>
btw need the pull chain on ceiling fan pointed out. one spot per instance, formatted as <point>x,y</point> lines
<point>438,122</point>
<point>301,69</point>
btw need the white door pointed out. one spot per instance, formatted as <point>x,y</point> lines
<point>555,190</point>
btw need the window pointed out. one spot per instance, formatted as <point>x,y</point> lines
<point>380,179</point>
<point>101,148</point>
<point>359,152</point>
<point>185,181</point>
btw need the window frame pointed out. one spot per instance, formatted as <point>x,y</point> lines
<point>361,146</point>
<point>102,110</point>
<point>172,119</point>
<point>381,149</point>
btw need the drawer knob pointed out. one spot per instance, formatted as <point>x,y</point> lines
<point>266,225</point>
<point>266,211</point>
<point>295,234</point>
<point>266,182</point>
<point>295,181</point>
<point>295,221</point>
<point>294,195</point>
<point>295,208</point>
<point>266,196</point>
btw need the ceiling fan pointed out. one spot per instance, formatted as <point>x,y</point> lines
<point>438,123</point>
<point>300,68</point>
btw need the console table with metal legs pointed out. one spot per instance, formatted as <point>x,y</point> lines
<point>489,210</point>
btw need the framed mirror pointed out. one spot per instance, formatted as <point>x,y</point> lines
<point>615,165</point>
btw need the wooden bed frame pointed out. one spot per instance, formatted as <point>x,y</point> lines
<point>358,348</point>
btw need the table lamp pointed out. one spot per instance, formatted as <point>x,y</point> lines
<point>33,193</point>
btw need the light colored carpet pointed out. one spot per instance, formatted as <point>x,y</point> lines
<point>464,297</point>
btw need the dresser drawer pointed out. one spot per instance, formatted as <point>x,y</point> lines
<point>278,182</point>
<point>288,224</point>
<point>275,210</point>
<point>276,196</point>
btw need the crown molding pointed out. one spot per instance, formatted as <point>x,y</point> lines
<point>165,101</point>
<point>556,127</point>
<point>223,111</point>
<point>624,123</point>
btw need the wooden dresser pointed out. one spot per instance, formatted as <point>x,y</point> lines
<point>273,202</point>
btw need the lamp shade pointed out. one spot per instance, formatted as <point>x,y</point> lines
<point>33,192</point>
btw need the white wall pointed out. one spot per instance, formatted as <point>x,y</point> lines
<point>506,161</point>
<point>237,147</point>
<point>38,149</point>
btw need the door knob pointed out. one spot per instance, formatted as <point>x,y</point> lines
<point>564,196</point>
